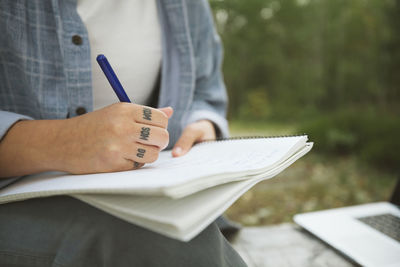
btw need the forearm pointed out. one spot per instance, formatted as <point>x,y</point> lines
<point>31,147</point>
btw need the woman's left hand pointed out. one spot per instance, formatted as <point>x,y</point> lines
<point>193,133</point>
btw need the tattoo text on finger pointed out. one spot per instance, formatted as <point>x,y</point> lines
<point>140,152</point>
<point>136,164</point>
<point>145,133</point>
<point>147,114</point>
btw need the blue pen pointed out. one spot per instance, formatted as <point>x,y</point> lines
<point>112,78</point>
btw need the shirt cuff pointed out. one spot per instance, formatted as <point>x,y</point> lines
<point>8,119</point>
<point>220,123</point>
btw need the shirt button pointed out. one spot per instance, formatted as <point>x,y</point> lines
<point>80,111</point>
<point>77,40</point>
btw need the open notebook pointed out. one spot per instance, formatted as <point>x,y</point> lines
<point>177,197</point>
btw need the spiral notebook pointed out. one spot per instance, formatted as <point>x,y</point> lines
<point>177,197</point>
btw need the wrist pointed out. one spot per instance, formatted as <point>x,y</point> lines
<point>55,149</point>
<point>43,143</point>
<point>31,147</point>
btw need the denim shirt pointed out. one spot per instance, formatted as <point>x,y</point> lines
<point>45,68</point>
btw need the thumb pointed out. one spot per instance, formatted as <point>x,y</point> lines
<point>168,111</point>
<point>185,142</point>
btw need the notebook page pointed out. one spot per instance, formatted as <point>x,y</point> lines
<point>181,218</point>
<point>226,157</point>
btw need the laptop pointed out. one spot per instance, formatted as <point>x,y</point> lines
<point>368,234</point>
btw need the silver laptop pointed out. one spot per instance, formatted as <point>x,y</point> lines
<point>368,234</point>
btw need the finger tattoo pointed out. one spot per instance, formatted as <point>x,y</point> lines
<point>145,133</point>
<point>147,114</point>
<point>140,152</point>
<point>136,164</point>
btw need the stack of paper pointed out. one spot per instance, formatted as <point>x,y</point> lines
<point>177,197</point>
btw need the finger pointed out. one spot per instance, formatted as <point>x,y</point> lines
<point>137,165</point>
<point>150,135</point>
<point>189,136</point>
<point>125,164</point>
<point>168,111</point>
<point>141,153</point>
<point>151,116</point>
<point>130,165</point>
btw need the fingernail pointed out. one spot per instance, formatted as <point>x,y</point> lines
<point>177,150</point>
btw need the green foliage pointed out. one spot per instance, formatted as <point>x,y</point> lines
<point>302,60</point>
<point>373,137</point>
<point>255,106</point>
<point>310,54</point>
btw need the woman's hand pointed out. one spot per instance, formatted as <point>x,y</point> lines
<point>193,133</point>
<point>119,137</point>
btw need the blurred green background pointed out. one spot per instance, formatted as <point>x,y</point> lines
<point>328,68</point>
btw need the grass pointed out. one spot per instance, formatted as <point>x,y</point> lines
<point>314,182</point>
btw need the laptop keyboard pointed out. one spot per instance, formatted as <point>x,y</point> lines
<point>387,223</point>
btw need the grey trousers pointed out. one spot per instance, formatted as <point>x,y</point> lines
<point>63,231</point>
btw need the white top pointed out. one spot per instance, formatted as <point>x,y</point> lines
<point>128,33</point>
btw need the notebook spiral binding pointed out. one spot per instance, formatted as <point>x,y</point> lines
<point>250,137</point>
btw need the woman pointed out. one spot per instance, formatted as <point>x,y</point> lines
<point>167,54</point>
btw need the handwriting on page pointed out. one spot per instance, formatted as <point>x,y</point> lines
<point>217,158</point>
<point>225,161</point>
